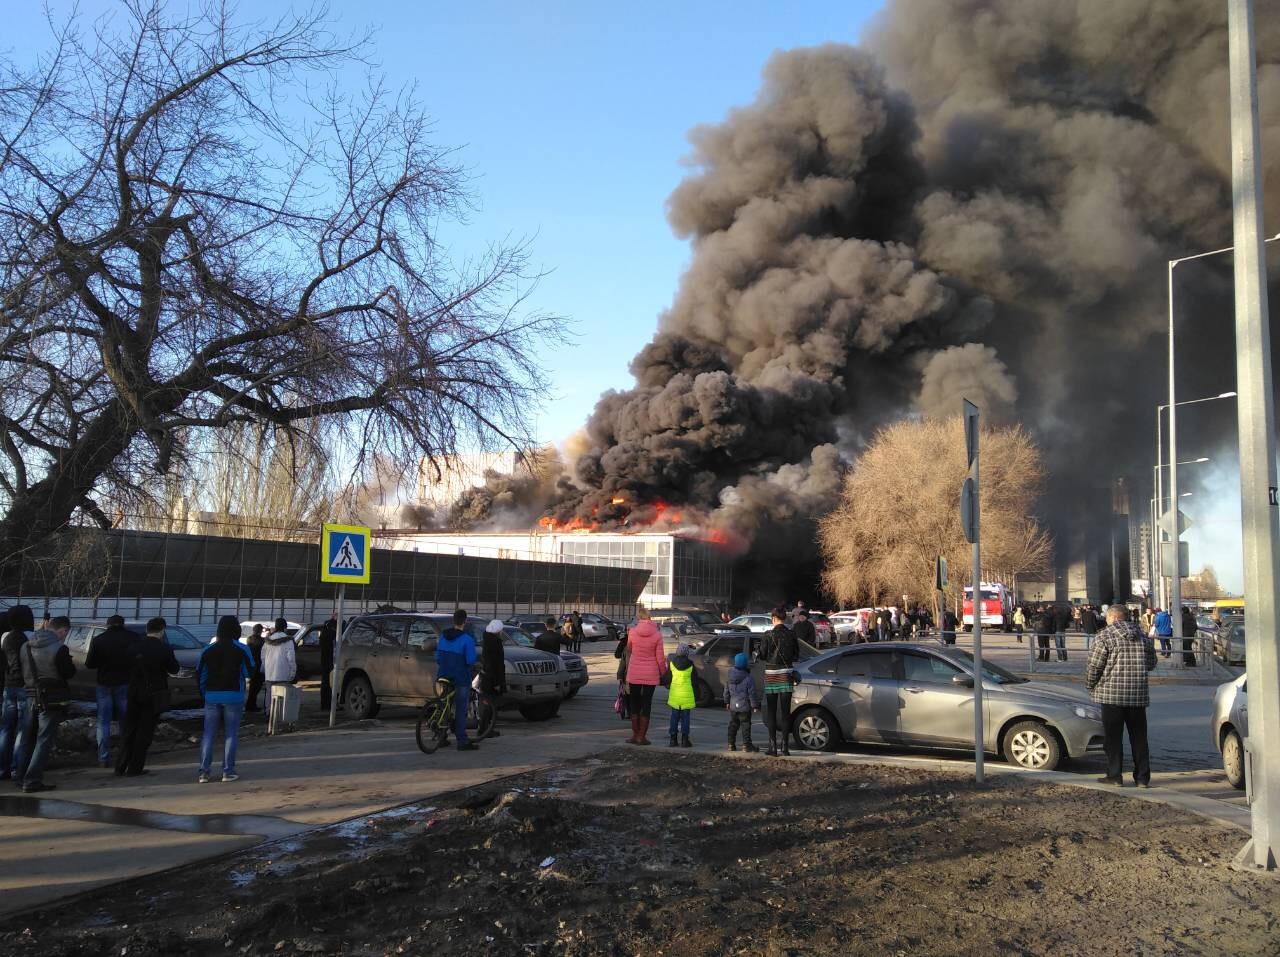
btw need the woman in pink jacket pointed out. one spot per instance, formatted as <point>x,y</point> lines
<point>646,664</point>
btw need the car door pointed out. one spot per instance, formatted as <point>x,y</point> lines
<point>934,710</point>
<point>306,650</point>
<point>867,685</point>
<point>418,660</point>
<point>720,652</point>
<point>377,644</point>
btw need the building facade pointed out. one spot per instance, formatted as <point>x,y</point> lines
<point>684,571</point>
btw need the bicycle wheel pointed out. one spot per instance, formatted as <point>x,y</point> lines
<point>433,726</point>
<point>480,717</point>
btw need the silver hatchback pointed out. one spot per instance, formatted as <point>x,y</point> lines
<point>918,695</point>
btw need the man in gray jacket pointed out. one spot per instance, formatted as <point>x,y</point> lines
<point>1116,677</point>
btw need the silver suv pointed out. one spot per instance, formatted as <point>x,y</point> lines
<point>391,659</point>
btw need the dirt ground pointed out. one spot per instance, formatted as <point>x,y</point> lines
<point>655,852</point>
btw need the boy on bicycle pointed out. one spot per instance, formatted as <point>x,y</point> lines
<point>455,660</point>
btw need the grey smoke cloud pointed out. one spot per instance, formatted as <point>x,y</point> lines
<point>972,372</point>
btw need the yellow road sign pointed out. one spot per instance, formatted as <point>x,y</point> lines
<point>345,551</point>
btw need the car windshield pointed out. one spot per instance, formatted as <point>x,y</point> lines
<point>180,638</point>
<point>992,672</point>
<point>704,618</point>
<point>517,636</point>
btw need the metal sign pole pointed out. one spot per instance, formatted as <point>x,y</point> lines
<point>973,532</point>
<point>1257,443</point>
<point>337,657</point>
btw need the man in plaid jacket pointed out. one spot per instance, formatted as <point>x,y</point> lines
<point>1116,676</point>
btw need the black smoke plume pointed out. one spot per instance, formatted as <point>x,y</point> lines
<point>980,201</point>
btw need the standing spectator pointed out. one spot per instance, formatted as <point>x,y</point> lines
<point>279,658</point>
<point>493,668</point>
<point>1019,623</point>
<point>646,664</point>
<point>1148,621</point>
<point>779,651</point>
<point>111,653</point>
<point>15,714</point>
<point>153,659</point>
<point>882,624</point>
<point>803,628</point>
<point>222,672</point>
<point>1061,618</point>
<point>949,625</point>
<point>859,628</point>
<point>256,640</point>
<point>578,635</point>
<point>742,699</point>
<point>549,639</point>
<point>1089,625</point>
<point>455,660</point>
<point>1188,638</point>
<point>328,640</point>
<point>47,666</point>
<point>1116,677</point>
<point>1164,631</point>
<point>1041,624</point>
<point>680,695</point>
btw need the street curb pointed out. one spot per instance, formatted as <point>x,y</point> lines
<point>1220,812</point>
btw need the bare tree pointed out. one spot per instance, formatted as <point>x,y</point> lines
<point>190,240</point>
<point>899,510</point>
<point>1202,587</point>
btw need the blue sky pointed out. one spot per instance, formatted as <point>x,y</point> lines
<point>571,118</point>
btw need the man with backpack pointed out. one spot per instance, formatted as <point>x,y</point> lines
<point>47,665</point>
<point>153,659</point>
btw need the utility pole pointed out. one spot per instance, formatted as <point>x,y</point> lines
<point>1257,446</point>
<point>970,518</point>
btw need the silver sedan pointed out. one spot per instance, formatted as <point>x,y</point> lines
<point>1231,727</point>
<point>918,695</point>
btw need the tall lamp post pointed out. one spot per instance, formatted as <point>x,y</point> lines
<point>1175,580</point>
<point>1156,594</point>
<point>1157,533</point>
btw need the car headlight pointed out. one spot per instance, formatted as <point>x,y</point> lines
<point>1083,711</point>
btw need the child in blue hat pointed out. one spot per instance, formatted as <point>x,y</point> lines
<point>742,698</point>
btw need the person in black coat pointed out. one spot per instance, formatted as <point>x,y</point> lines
<point>257,638</point>
<point>1189,630</point>
<point>803,629</point>
<point>549,638</point>
<point>1061,619</point>
<point>153,660</point>
<point>328,638</point>
<point>493,666</point>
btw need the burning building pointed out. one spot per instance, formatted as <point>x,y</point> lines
<point>685,570</point>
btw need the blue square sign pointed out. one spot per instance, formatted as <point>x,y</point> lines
<point>345,553</point>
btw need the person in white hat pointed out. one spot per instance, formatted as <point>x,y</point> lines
<point>493,666</point>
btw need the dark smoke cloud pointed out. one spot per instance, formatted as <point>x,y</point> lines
<point>980,202</point>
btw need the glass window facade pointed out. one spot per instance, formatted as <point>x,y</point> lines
<point>681,569</point>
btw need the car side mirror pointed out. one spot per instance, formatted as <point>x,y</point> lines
<point>962,681</point>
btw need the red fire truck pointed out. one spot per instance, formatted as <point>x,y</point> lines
<point>997,606</point>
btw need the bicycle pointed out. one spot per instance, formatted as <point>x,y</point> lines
<point>436,719</point>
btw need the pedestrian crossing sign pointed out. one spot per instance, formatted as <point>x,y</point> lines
<point>344,554</point>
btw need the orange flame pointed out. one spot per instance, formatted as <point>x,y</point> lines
<point>618,501</point>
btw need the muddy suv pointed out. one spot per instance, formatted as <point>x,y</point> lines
<point>391,659</point>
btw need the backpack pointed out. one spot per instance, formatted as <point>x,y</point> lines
<point>52,693</point>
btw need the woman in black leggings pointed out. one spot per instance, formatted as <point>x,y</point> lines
<point>646,663</point>
<point>779,651</point>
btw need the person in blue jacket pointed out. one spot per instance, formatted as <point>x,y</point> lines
<point>223,670</point>
<point>455,660</point>
<point>1164,631</point>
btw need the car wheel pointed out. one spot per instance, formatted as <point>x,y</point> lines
<point>815,730</point>
<point>1030,744</point>
<point>540,712</point>
<point>702,696</point>
<point>1233,759</point>
<point>359,700</point>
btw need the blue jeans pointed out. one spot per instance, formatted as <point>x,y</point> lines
<point>227,717</point>
<point>112,702</point>
<point>15,726</point>
<point>462,696</point>
<point>46,735</point>
<point>679,721</point>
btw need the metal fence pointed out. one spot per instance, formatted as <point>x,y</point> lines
<point>1182,657</point>
<point>194,579</point>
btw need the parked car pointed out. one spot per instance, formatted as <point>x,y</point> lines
<point>390,658</point>
<point>1228,641</point>
<point>823,631</point>
<point>705,621</point>
<point>533,624</point>
<point>916,695</point>
<point>306,644</point>
<point>842,623</point>
<point>676,633</point>
<point>574,663</point>
<point>1231,727</point>
<point>184,689</point>
<point>756,623</point>
<point>714,657</point>
<point>596,627</point>
<point>246,628</point>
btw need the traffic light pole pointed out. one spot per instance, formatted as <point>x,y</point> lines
<point>1257,447</point>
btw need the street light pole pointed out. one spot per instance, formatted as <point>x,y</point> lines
<point>1257,444</point>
